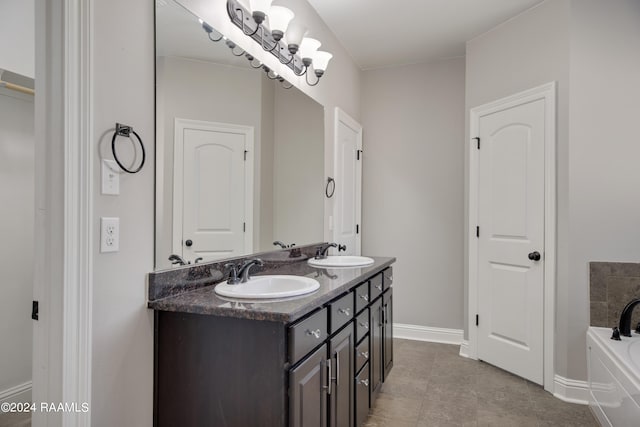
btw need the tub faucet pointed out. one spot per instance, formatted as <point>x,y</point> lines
<point>243,272</point>
<point>625,318</point>
<point>321,251</point>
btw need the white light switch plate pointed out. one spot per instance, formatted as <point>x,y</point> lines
<point>110,177</point>
<point>109,234</point>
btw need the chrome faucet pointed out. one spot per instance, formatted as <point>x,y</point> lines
<point>243,272</point>
<point>625,317</point>
<point>177,259</point>
<point>233,273</point>
<point>321,251</point>
<point>279,243</point>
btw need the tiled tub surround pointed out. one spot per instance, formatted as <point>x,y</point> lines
<point>191,289</point>
<point>612,286</point>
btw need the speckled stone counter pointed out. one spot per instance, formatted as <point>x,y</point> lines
<point>204,300</point>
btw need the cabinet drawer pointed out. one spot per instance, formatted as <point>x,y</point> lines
<point>341,312</point>
<point>362,325</point>
<point>362,296</point>
<point>362,395</point>
<point>307,334</point>
<point>376,286</point>
<point>387,278</point>
<point>362,353</point>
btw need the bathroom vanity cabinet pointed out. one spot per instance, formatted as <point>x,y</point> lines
<point>323,368</point>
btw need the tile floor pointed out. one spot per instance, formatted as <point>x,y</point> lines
<point>15,420</point>
<point>431,385</point>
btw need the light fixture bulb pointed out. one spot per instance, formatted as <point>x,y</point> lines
<point>279,18</point>
<point>321,60</point>
<point>294,35</point>
<point>308,47</point>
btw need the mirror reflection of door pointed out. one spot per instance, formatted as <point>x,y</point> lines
<point>213,190</point>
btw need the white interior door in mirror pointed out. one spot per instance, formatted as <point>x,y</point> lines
<point>213,190</point>
<point>348,175</point>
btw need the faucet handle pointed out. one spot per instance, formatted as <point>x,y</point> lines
<point>233,273</point>
<point>342,248</point>
<point>616,334</point>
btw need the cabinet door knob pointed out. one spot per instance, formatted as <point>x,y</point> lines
<point>364,354</point>
<point>364,297</point>
<point>188,243</point>
<point>364,324</point>
<point>315,333</point>
<point>345,311</point>
<point>364,382</point>
<point>379,287</point>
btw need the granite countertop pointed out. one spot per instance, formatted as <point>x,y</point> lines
<point>333,282</point>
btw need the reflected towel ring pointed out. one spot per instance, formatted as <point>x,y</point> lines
<point>333,187</point>
<point>124,130</point>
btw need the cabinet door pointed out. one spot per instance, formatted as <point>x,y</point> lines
<point>341,406</point>
<point>375,355</point>
<point>308,386</point>
<point>387,320</point>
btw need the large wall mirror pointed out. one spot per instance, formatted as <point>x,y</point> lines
<point>239,158</point>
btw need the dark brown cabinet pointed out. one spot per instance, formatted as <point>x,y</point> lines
<point>323,370</point>
<point>341,348</point>
<point>375,339</point>
<point>308,403</point>
<point>387,332</point>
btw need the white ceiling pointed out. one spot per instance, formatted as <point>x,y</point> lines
<point>381,33</point>
<point>178,33</point>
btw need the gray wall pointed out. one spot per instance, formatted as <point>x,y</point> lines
<point>298,171</point>
<point>17,193</point>
<point>595,62</point>
<point>530,50</point>
<point>413,119</point>
<point>17,20</point>
<point>604,172</point>
<point>122,331</point>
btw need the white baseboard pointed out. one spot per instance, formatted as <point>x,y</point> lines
<point>571,391</point>
<point>464,348</point>
<point>17,394</point>
<point>426,333</point>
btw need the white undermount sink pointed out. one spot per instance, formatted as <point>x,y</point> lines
<point>264,287</point>
<point>341,261</point>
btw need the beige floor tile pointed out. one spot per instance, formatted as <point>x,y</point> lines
<point>397,408</point>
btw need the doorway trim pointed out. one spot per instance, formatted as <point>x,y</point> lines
<point>546,92</point>
<point>178,176</point>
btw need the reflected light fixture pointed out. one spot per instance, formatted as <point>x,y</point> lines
<point>276,30</point>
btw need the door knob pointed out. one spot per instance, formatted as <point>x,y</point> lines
<point>534,256</point>
<point>188,243</point>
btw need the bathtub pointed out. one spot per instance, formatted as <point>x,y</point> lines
<point>614,378</point>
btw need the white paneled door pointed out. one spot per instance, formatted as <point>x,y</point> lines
<point>348,190</point>
<point>511,219</point>
<point>212,190</point>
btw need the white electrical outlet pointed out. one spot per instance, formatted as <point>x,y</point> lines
<point>110,177</point>
<point>109,234</point>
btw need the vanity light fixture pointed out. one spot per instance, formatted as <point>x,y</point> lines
<point>209,30</point>
<point>275,29</point>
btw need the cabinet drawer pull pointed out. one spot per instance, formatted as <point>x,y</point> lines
<point>364,382</point>
<point>364,324</point>
<point>364,297</point>
<point>328,386</point>
<point>315,333</point>
<point>364,354</point>
<point>379,287</point>
<point>345,311</point>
